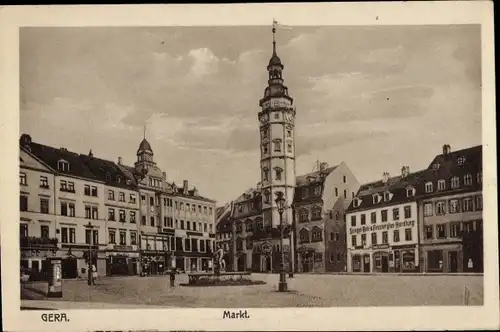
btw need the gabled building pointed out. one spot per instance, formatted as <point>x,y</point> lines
<point>224,234</point>
<point>320,201</point>
<point>451,212</point>
<point>382,225</point>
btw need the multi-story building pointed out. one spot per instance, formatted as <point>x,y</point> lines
<point>121,213</point>
<point>277,162</point>
<point>177,224</point>
<point>383,227</point>
<point>78,201</point>
<point>450,212</point>
<point>37,227</point>
<point>321,198</point>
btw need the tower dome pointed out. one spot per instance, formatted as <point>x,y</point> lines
<point>144,147</point>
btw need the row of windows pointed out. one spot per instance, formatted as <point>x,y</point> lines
<point>121,196</point>
<point>188,225</point>
<point>44,231</point>
<point>278,144</point>
<point>383,216</point>
<point>265,133</point>
<point>466,204</point>
<point>315,235</point>
<point>449,230</point>
<point>385,237</point>
<point>454,182</point>
<point>168,202</point>
<point>121,215</point>
<point>177,244</point>
<point>122,237</point>
<point>44,204</point>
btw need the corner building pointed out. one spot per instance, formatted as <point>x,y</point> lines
<point>277,162</point>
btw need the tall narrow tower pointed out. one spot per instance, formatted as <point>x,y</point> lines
<point>277,137</point>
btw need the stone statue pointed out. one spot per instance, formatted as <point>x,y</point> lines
<point>219,261</point>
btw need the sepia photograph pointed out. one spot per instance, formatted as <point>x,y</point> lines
<point>241,167</point>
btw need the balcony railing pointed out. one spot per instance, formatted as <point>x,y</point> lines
<point>37,242</point>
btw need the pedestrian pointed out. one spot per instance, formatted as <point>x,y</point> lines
<point>94,274</point>
<point>172,277</point>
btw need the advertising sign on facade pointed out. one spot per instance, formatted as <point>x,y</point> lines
<point>384,226</point>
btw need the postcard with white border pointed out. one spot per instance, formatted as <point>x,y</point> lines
<point>249,167</point>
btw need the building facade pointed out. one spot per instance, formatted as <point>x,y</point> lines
<point>277,162</point>
<point>37,227</point>
<point>383,227</point>
<point>321,198</point>
<point>450,211</point>
<point>224,235</point>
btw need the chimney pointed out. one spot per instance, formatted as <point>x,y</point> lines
<point>164,176</point>
<point>185,187</point>
<point>119,160</point>
<point>405,170</point>
<point>91,155</point>
<point>195,191</point>
<point>385,177</point>
<point>323,166</point>
<point>446,149</point>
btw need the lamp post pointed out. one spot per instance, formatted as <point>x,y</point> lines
<point>280,203</point>
<point>89,226</point>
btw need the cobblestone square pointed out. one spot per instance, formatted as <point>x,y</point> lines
<point>322,290</point>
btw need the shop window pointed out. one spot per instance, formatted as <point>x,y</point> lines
<point>408,259</point>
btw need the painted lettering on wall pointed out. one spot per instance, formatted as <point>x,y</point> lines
<point>380,227</point>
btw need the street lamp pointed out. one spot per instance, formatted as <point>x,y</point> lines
<point>89,226</point>
<point>280,203</point>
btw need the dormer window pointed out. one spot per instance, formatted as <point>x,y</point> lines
<point>356,202</point>
<point>467,179</point>
<point>63,166</point>
<point>317,190</point>
<point>410,192</point>
<point>128,182</point>
<point>387,196</point>
<point>376,198</point>
<point>118,179</point>
<point>428,187</point>
<point>461,161</point>
<point>436,166</point>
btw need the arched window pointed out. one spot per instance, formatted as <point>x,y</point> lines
<point>304,235</point>
<point>265,174</point>
<point>260,223</point>
<point>455,182</point>
<point>317,234</point>
<point>277,145</point>
<point>316,213</point>
<point>303,215</point>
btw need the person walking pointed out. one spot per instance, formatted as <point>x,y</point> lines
<point>172,277</point>
<point>94,274</point>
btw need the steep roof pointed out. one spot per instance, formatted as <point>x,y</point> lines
<point>108,172</point>
<point>306,179</point>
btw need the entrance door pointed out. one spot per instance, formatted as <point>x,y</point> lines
<point>385,263</point>
<point>242,263</point>
<point>268,263</point>
<point>69,268</point>
<point>452,255</point>
<point>305,264</point>
<point>366,264</point>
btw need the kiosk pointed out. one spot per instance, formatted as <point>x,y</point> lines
<point>55,277</point>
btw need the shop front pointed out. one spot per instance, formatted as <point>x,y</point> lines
<point>305,257</point>
<point>153,262</point>
<point>444,258</point>
<point>122,261</point>
<point>361,261</point>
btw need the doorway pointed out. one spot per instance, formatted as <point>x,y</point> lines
<point>385,263</point>
<point>453,258</point>
<point>366,263</point>
<point>242,263</point>
<point>69,268</point>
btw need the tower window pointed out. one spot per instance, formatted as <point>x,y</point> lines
<point>288,133</point>
<point>276,115</point>
<point>267,197</point>
<point>289,147</point>
<point>265,149</point>
<point>277,146</point>
<point>278,172</point>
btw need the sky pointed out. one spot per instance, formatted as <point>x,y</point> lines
<point>375,97</point>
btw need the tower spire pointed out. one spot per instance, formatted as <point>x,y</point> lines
<point>144,131</point>
<point>274,34</point>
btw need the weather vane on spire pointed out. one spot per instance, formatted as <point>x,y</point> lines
<point>144,131</point>
<point>274,33</point>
